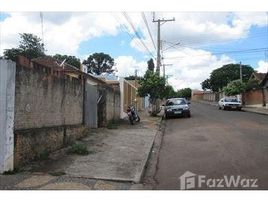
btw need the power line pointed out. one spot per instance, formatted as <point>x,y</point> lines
<point>148,29</point>
<point>244,51</point>
<point>136,33</point>
<point>125,29</point>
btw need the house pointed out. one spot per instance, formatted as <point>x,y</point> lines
<point>257,96</point>
<point>129,90</point>
<point>264,85</point>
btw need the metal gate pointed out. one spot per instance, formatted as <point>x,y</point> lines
<point>101,107</point>
<point>91,97</point>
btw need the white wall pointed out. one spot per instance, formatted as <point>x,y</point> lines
<point>7,97</point>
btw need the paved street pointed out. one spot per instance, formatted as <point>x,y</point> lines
<point>214,143</point>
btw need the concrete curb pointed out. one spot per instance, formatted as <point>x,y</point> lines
<point>138,178</point>
<point>254,111</point>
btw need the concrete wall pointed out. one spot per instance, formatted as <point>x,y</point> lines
<point>44,100</point>
<point>209,96</point>
<point>7,98</point>
<point>128,95</point>
<point>253,98</point>
<point>31,144</point>
<point>48,111</point>
<point>112,105</point>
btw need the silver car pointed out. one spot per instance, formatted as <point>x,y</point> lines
<point>228,103</point>
<point>177,107</point>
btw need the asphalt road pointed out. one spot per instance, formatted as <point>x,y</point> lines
<point>214,143</point>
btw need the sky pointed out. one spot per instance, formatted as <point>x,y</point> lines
<point>193,45</point>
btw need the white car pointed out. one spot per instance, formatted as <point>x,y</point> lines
<point>228,103</point>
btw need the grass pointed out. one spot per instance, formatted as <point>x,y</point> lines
<point>79,149</point>
<point>113,124</point>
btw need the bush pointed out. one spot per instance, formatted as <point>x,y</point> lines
<point>112,124</point>
<point>79,149</point>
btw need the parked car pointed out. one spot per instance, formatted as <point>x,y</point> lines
<point>177,107</point>
<point>228,103</point>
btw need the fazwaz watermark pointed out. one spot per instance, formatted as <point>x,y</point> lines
<point>190,180</point>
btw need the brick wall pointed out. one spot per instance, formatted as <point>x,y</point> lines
<point>253,97</point>
<point>32,144</point>
<point>48,111</point>
<point>44,100</point>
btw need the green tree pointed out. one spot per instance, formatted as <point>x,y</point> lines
<point>206,84</point>
<point>184,93</point>
<point>220,77</point>
<point>152,85</point>
<point>71,60</point>
<point>133,77</point>
<point>252,84</point>
<point>99,62</point>
<point>150,64</point>
<point>30,46</point>
<point>169,92</point>
<point>234,87</point>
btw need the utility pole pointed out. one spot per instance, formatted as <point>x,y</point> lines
<point>159,21</point>
<point>164,69</point>
<point>42,27</point>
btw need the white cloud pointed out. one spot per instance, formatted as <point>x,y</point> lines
<point>190,67</point>
<point>262,67</point>
<point>63,32</point>
<point>201,28</point>
<point>126,66</point>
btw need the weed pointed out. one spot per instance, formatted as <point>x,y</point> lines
<point>11,172</point>
<point>79,149</point>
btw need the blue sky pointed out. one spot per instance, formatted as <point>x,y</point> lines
<point>207,39</point>
<point>113,45</point>
<point>256,39</point>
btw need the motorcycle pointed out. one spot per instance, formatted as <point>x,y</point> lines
<point>132,115</point>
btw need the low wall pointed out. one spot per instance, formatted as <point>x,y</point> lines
<point>48,110</point>
<point>31,144</point>
<point>253,97</point>
<point>112,105</point>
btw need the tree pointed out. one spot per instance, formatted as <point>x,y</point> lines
<point>220,77</point>
<point>184,93</point>
<point>99,62</point>
<point>150,64</point>
<point>71,60</point>
<point>133,77</point>
<point>206,84</point>
<point>152,85</point>
<point>169,92</point>
<point>252,84</point>
<point>30,46</point>
<point>235,87</point>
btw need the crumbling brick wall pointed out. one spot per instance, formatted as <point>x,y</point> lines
<point>48,111</point>
<point>44,100</point>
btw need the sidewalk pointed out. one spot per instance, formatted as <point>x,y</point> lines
<point>116,161</point>
<point>263,111</point>
<point>258,110</point>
